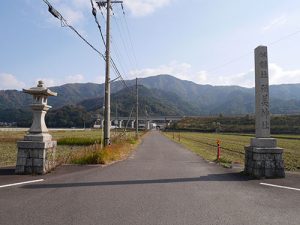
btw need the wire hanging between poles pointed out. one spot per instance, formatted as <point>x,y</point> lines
<point>64,23</point>
<point>113,64</point>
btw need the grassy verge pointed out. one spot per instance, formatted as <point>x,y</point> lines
<point>121,148</point>
<point>71,146</point>
<point>232,146</point>
<point>8,147</point>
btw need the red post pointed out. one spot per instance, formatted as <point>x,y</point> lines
<point>219,150</point>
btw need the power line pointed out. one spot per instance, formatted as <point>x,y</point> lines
<point>64,23</point>
<point>129,118</point>
<point>123,30</point>
<point>229,62</point>
<point>124,42</point>
<point>251,52</point>
<point>119,56</point>
<point>114,48</point>
<point>94,12</point>
<point>285,37</point>
<point>130,36</point>
<point>100,8</point>
<point>113,64</point>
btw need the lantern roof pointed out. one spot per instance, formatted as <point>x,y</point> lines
<point>40,89</point>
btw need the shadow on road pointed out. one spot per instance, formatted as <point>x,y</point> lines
<point>7,171</point>
<point>210,177</point>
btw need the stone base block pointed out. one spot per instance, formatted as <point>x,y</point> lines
<point>264,162</point>
<point>35,157</point>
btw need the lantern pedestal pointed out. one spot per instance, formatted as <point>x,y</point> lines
<point>35,157</point>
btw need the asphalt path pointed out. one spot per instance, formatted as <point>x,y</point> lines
<point>161,183</point>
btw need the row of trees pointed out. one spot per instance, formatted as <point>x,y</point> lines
<point>286,124</point>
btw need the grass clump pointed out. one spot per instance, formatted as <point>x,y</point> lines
<point>79,141</point>
<point>120,149</point>
<point>224,162</point>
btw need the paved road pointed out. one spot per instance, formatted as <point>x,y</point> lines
<point>162,183</point>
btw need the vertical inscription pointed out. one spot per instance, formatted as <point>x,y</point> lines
<point>262,112</point>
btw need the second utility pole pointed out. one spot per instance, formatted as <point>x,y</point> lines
<point>107,80</point>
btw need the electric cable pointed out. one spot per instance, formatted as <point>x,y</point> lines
<point>64,23</point>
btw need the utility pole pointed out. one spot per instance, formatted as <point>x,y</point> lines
<point>107,79</point>
<point>116,118</point>
<point>107,123</point>
<point>137,110</point>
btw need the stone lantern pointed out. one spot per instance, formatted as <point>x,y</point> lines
<point>36,153</point>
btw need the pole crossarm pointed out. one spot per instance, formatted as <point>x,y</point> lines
<point>105,3</point>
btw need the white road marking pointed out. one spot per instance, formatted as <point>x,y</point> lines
<point>278,186</point>
<point>26,182</point>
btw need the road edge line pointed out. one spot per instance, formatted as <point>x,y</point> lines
<point>278,186</point>
<point>20,183</point>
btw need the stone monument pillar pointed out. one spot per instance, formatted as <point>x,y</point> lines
<point>263,159</point>
<point>36,153</point>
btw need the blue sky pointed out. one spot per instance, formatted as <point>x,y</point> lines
<point>192,40</point>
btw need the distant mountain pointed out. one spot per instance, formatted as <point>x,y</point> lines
<point>159,95</point>
<point>13,99</point>
<point>71,94</point>
<point>152,102</point>
<point>68,94</point>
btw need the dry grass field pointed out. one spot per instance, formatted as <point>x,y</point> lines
<point>71,145</point>
<point>232,146</point>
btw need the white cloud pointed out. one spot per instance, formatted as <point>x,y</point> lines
<point>78,78</point>
<point>184,71</point>
<point>99,79</point>
<point>73,16</point>
<point>82,3</point>
<point>8,81</point>
<point>244,79</point>
<point>277,22</point>
<point>173,68</point>
<point>145,7</point>
<point>74,11</point>
<point>49,82</point>
<point>280,76</point>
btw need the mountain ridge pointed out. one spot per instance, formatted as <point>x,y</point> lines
<point>173,93</point>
